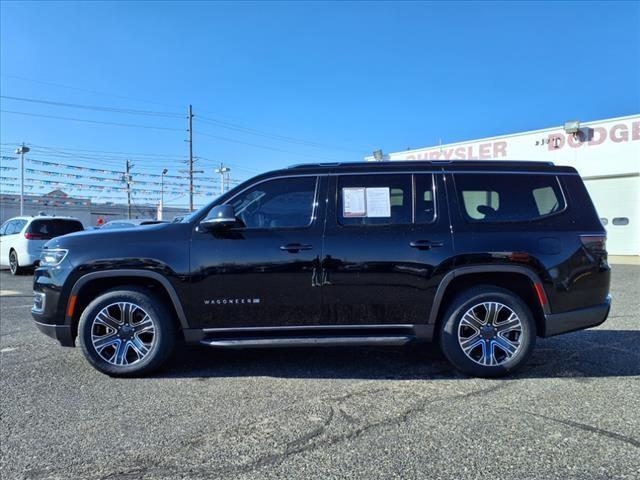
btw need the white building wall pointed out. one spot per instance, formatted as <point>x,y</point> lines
<point>606,153</point>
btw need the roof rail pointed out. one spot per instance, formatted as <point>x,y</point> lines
<point>417,162</point>
<point>307,165</point>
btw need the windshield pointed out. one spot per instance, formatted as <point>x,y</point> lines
<point>205,208</point>
<point>229,194</point>
<point>189,218</point>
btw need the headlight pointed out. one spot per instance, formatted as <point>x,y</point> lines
<point>52,257</point>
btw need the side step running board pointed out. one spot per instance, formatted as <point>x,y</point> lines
<point>389,340</point>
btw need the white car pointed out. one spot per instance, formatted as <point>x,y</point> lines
<point>22,239</point>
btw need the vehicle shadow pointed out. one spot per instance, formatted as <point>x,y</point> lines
<point>585,354</point>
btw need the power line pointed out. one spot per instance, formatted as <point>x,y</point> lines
<point>232,140</point>
<point>96,108</point>
<point>273,136</point>
<point>204,119</point>
<point>256,145</point>
<point>116,124</point>
<point>95,92</point>
<point>213,163</point>
<point>136,154</point>
<point>113,162</point>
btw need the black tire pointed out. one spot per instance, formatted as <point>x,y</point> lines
<point>14,265</point>
<point>451,337</point>
<point>161,346</point>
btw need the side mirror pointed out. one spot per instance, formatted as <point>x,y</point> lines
<point>220,216</point>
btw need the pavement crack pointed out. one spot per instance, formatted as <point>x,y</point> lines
<point>304,439</point>
<point>585,427</point>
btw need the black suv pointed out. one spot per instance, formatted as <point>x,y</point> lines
<point>482,257</point>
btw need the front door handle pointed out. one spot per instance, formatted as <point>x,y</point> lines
<point>295,247</point>
<point>425,244</point>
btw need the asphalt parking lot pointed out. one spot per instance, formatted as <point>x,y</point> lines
<point>571,413</point>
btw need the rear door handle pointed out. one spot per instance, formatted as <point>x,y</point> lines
<point>295,247</point>
<point>425,244</point>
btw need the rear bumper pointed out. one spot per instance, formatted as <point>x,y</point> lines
<point>29,259</point>
<point>558,323</point>
<point>62,333</point>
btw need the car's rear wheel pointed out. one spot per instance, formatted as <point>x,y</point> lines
<point>126,332</point>
<point>488,332</point>
<point>14,265</point>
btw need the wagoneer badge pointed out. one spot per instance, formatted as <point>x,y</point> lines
<point>231,301</point>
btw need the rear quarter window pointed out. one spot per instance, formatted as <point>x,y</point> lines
<point>497,198</point>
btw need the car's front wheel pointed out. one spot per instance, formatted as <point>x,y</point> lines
<point>488,332</point>
<point>126,332</point>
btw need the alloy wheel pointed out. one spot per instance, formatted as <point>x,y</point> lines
<point>490,333</point>
<point>13,262</point>
<point>123,333</point>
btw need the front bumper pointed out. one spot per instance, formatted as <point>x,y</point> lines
<point>558,323</point>
<point>50,302</point>
<point>62,333</point>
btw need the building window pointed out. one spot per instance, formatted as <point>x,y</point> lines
<point>620,221</point>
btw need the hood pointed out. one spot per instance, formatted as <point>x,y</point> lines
<point>95,239</point>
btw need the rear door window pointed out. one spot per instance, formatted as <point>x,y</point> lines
<point>375,199</point>
<point>15,227</point>
<point>496,197</point>
<point>3,228</point>
<point>47,229</point>
<point>9,228</point>
<point>425,201</point>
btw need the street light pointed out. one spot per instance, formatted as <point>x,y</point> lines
<point>164,172</point>
<point>21,151</point>
<point>222,171</point>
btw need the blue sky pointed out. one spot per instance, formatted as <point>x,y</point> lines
<point>337,79</point>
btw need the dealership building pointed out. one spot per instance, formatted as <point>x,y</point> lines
<point>606,153</point>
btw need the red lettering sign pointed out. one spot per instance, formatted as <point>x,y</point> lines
<point>599,136</point>
<point>635,131</point>
<point>556,141</point>
<point>499,149</point>
<point>623,136</point>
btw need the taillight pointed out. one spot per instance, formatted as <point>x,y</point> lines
<point>594,243</point>
<point>34,236</point>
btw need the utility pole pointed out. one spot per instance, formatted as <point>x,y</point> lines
<point>222,171</point>
<point>22,150</point>
<point>190,158</point>
<point>128,180</point>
